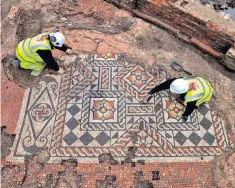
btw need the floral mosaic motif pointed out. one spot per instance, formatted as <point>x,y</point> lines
<point>138,78</point>
<point>171,111</point>
<point>103,109</point>
<point>174,109</point>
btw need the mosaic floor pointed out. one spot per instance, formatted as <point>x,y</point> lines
<point>95,107</point>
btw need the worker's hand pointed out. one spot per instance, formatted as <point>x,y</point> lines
<point>184,118</point>
<point>55,30</point>
<point>180,101</point>
<point>69,51</point>
<point>61,71</point>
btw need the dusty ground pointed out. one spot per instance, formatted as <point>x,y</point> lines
<point>94,26</point>
<point>230,3</point>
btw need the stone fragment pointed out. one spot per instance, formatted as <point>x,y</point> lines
<point>13,12</point>
<point>223,13</point>
<point>230,58</point>
<point>227,16</point>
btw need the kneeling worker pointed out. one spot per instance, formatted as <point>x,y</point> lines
<point>192,92</point>
<point>35,53</point>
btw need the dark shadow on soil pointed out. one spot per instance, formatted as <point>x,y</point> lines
<point>108,182</point>
<point>30,25</point>
<point>7,141</point>
<point>107,158</point>
<point>140,182</point>
<point>21,77</point>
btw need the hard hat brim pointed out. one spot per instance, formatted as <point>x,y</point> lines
<point>172,89</point>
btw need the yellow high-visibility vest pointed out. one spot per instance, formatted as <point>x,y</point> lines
<point>201,91</point>
<point>26,49</point>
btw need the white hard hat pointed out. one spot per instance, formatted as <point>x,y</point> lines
<point>57,39</point>
<point>179,86</point>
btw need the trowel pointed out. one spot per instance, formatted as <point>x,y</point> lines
<point>179,68</point>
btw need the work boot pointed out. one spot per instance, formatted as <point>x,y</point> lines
<point>16,63</point>
<point>36,72</point>
<point>214,96</point>
<point>147,98</point>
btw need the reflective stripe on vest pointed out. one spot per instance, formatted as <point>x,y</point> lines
<point>26,49</point>
<point>201,91</point>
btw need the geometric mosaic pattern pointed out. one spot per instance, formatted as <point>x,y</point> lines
<point>95,107</point>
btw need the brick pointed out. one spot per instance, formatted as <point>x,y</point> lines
<point>13,11</point>
<point>156,21</point>
<point>205,47</point>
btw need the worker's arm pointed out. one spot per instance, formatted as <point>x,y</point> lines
<point>191,106</point>
<point>64,48</point>
<point>47,57</point>
<point>163,86</point>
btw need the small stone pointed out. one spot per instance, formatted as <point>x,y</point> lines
<point>227,16</point>
<point>98,40</point>
<point>210,6</point>
<point>230,171</point>
<point>223,6</point>
<point>223,13</point>
<point>109,54</point>
<point>63,19</point>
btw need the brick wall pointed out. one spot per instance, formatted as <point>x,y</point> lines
<point>189,25</point>
<point>192,22</point>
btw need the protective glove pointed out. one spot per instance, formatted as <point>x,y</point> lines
<point>61,71</point>
<point>55,30</point>
<point>185,118</point>
<point>69,51</point>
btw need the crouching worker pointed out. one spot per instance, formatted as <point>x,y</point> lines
<point>35,53</point>
<point>192,92</point>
